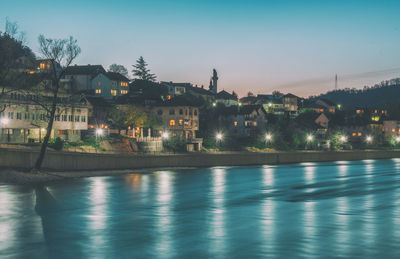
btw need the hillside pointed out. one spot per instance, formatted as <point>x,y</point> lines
<point>382,95</point>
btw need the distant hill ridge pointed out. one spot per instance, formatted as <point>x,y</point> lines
<point>378,96</point>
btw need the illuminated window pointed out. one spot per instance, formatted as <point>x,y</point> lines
<point>358,111</point>
<point>172,122</point>
<point>42,65</point>
<point>113,92</point>
<point>235,123</point>
<point>124,91</point>
<point>169,97</point>
<point>180,122</point>
<point>98,91</point>
<point>354,134</point>
<point>124,84</point>
<point>359,134</point>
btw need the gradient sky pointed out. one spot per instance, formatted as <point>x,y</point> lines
<point>291,46</point>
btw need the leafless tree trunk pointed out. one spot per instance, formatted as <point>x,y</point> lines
<point>61,53</point>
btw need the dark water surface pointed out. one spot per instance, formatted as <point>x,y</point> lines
<point>309,210</point>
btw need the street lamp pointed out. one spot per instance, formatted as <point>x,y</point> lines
<point>343,139</point>
<point>165,135</point>
<point>369,139</point>
<point>219,136</point>
<point>268,137</point>
<point>310,138</point>
<point>99,132</point>
<point>397,139</point>
<point>4,121</point>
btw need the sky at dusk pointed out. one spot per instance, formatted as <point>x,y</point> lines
<point>290,46</point>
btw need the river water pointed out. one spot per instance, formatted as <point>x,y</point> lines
<point>308,210</point>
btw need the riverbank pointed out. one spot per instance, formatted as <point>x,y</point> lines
<point>71,161</point>
<point>67,165</point>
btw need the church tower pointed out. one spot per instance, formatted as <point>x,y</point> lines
<point>214,82</point>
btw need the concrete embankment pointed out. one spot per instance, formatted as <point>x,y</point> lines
<point>62,161</point>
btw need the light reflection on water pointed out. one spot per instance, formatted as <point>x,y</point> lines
<point>217,211</point>
<point>308,210</point>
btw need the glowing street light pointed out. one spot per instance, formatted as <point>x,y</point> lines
<point>214,104</point>
<point>165,135</point>
<point>219,136</point>
<point>397,139</point>
<point>99,132</point>
<point>268,137</point>
<point>369,139</point>
<point>343,139</point>
<point>310,138</point>
<point>4,121</point>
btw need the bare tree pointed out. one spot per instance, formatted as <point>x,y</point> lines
<point>61,53</point>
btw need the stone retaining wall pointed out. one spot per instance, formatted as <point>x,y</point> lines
<point>25,159</point>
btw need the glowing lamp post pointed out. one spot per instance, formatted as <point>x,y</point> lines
<point>268,137</point>
<point>343,139</point>
<point>219,138</point>
<point>165,135</point>
<point>4,122</point>
<point>369,139</point>
<point>397,139</point>
<point>310,138</point>
<point>99,133</point>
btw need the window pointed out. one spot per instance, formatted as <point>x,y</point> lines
<point>19,116</point>
<point>70,118</point>
<point>124,84</point>
<point>235,123</point>
<point>11,115</point>
<point>98,91</point>
<point>64,117</point>
<point>124,91</point>
<point>195,112</point>
<point>57,118</point>
<point>42,117</point>
<point>172,123</point>
<point>83,119</point>
<point>180,122</point>
<point>26,116</point>
<point>62,132</point>
<point>98,83</point>
<point>77,118</point>
<point>171,112</point>
<point>180,112</point>
<point>113,92</point>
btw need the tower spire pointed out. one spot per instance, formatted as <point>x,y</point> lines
<point>336,82</point>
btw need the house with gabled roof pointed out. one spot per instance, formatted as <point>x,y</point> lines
<point>226,98</point>
<point>95,81</point>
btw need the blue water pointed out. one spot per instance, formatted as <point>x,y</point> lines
<point>309,210</point>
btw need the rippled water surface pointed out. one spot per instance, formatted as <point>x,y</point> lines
<point>309,210</point>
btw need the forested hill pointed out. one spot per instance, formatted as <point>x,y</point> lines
<point>380,95</point>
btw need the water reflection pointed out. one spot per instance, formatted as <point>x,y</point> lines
<point>217,196</point>
<point>164,219</point>
<point>344,209</point>
<point>268,211</point>
<point>369,217</point>
<point>342,233</point>
<point>7,203</point>
<point>309,216</point>
<point>98,213</point>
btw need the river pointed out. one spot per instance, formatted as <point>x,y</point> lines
<point>308,210</point>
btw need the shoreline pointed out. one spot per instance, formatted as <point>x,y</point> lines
<point>61,166</point>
